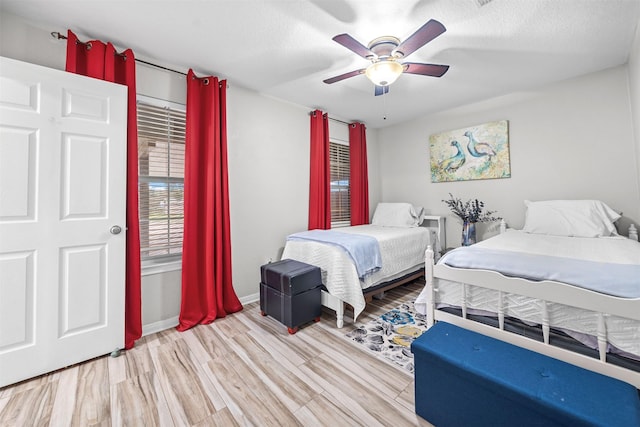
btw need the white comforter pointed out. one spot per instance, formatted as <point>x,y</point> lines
<point>623,333</point>
<point>402,250</point>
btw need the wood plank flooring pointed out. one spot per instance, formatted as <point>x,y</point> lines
<point>242,370</point>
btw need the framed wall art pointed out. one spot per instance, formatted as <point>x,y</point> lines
<point>475,152</point>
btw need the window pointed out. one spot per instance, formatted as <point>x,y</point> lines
<point>340,194</point>
<point>161,134</point>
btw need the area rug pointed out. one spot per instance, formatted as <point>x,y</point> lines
<point>390,335</point>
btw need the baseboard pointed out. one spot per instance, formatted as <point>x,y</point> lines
<point>250,298</point>
<point>161,325</point>
<point>172,322</point>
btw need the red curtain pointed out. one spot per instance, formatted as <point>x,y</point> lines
<point>207,289</point>
<point>101,61</point>
<point>319,183</point>
<point>359,177</point>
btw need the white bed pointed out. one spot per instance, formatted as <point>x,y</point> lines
<point>610,324</point>
<point>402,242</point>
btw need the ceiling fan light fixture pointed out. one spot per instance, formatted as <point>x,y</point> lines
<point>385,72</point>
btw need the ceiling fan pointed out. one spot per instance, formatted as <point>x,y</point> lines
<point>386,54</point>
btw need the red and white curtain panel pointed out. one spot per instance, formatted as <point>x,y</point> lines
<point>320,177</point>
<point>101,61</point>
<point>359,176</point>
<point>207,289</point>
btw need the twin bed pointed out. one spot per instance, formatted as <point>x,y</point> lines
<point>567,285</point>
<point>403,240</point>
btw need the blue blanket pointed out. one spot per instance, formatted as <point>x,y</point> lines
<point>363,250</point>
<point>621,280</point>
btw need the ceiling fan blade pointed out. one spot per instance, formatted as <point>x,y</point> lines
<point>344,76</point>
<point>353,45</point>
<point>433,70</point>
<point>381,90</point>
<point>422,36</point>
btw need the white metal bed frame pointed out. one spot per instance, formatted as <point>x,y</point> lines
<point>546,291</point>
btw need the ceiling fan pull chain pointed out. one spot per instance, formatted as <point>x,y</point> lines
<point>384,105</point>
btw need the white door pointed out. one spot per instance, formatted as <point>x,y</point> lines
<point>62,189</point>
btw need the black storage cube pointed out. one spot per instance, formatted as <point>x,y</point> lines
<point>290,292</point>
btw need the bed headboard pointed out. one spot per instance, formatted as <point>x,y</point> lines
<point>437,222</point>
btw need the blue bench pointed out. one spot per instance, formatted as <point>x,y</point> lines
<point>463,378</point>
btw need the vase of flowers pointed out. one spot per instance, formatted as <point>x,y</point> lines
<point>470,213</point>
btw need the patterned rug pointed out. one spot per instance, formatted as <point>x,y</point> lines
<point>390,335</point>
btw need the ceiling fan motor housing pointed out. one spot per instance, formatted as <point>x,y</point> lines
<point>384,46</point>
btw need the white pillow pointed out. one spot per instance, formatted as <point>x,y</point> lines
<point>573,218</point>
<point>397,215</point>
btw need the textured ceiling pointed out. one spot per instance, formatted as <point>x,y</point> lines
<point>283,48</point>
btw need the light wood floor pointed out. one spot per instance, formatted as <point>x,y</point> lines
<point>244,369</point>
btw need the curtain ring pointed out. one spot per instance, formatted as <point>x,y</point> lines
<point>205,81</point>
<point>87,45</point>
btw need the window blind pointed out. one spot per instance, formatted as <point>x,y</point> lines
<point>340,193</point>
<point>161,143</point>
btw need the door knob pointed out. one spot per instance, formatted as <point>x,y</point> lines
<point>115,229</point>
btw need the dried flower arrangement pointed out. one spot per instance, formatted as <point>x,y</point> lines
<point>470,211</point>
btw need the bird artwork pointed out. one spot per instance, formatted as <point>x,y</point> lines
<point>452,164</point>
<point>486,147</point>
<point>479,149</point>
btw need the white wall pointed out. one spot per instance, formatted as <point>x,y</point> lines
<point>573,139</point>
<point>268,144</point>
<point>268,154</point>
<point>634,94</point>
<point>31,42</point>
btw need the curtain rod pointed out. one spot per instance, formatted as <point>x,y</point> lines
<point>57,35</point>
<point>340,121</point>
<point>335,120</point>
<point>160,66</point>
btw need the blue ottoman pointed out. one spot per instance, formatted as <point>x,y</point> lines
<point>463,378</point>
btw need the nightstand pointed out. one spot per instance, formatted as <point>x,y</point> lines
<point>439,226</point>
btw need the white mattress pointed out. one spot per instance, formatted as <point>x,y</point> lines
<point>622,333</point>
<point>402,251</point>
